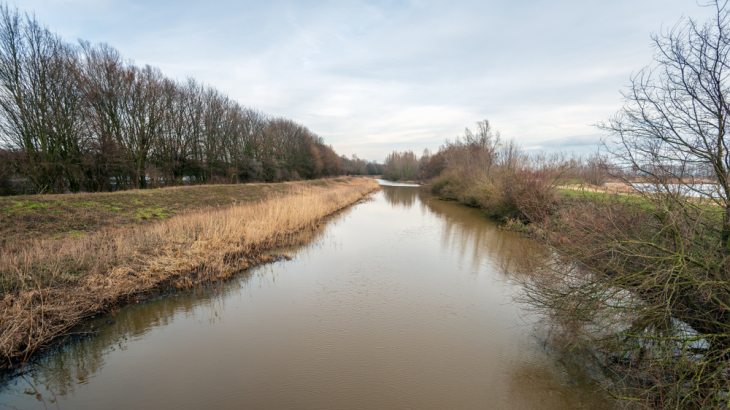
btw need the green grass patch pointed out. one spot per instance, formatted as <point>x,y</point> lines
<point>590,195</point>
<point>27,206</point>
<point>152,213</point>
<point>571,181</point>
<point>85,204</point>
<point>605,196</point>
<point>645,203</point>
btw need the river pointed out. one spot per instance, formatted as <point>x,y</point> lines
<point>402,302</point>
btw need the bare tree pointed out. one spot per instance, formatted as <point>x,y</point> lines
<point>40,100</point>
<point>644,279</point>
<point>675,117</point>
<point>401,166</point>
<point>106,81</point>
<point>473,153</point>
<point>83,118</point>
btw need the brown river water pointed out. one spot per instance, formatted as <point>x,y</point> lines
<point>402,302</point>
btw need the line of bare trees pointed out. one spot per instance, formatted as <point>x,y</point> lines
<point>481,169</point>
<point>82,118</point>
<point>401,166</point>
<point>482,154</point>
<point>359,166</point>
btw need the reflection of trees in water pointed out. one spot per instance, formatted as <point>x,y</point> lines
<point>404,196</point>
<point>470,232</point>
<point>547,387</point>
<point>58,373</point>
<point>467,230</point>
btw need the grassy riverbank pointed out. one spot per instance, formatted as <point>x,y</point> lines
<point>49,285</point>
<point>27,218</point>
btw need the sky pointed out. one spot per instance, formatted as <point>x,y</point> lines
<point>371,77</point>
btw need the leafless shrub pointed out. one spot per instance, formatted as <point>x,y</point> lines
<point>480,170</point>
<point>595,170</point>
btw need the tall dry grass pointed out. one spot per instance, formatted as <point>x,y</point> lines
<point>53,285</point>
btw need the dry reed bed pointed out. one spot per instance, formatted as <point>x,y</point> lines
<point>53,285</point>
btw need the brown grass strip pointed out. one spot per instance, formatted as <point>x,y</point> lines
<point>52,286</point>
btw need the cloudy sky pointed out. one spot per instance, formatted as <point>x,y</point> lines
<point>374,76</point>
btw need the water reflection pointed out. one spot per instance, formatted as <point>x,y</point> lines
<point>465,229</point>
<point>397,304</point>
<point>61,373</point>
<point>403,196</point>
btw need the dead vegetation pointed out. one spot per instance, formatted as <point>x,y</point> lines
<point>28,218</point>
<point>641,280</point>
<point>50,286</point>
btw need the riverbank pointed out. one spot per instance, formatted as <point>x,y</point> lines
<point>637,279</point>
<point>49,286</point>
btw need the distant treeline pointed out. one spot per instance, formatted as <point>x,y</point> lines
<point>403,166</point>
<point>82,118</point>
<point>481,155</point>
<point>479,169</point>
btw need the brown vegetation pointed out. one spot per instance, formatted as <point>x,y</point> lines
<point>636,280</point>
<point>643,280</point>
<point>480,170</point>
<point>49,286</point>
<point>28,218</point>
